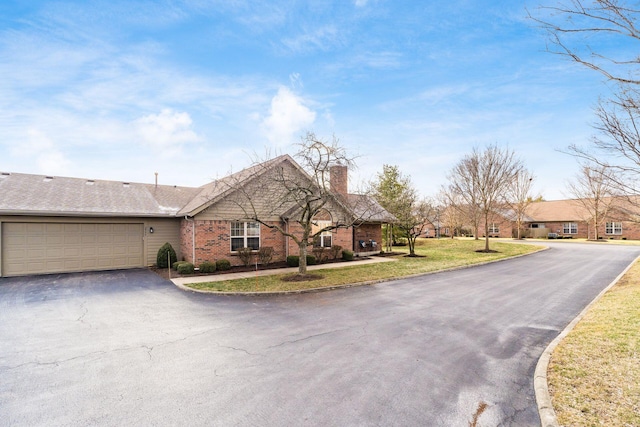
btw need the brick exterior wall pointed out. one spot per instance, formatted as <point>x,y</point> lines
<point>505,228</point>
<point>342,237</point>
<point>367,232</point>
<point>213,241</point>
<point>630,230</point>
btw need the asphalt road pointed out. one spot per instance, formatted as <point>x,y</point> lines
<point>128,348</point>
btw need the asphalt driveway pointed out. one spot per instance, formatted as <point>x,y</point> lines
<point>128,348</point>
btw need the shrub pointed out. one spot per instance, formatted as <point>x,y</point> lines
<point>265,255</point>
<point>166,256</point>
<point>186,268</point>
<point>245,255</point>
<point>294,260</point>
<point>318,252</point>
<point>223,264</point>
<point>207,267</point>
<point>347,255</point>
<point>335,251</point>
<point>175,264</point>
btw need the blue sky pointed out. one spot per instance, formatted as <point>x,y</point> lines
<point>193,89</point>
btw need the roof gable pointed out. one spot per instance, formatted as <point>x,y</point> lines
<point>217,190</point>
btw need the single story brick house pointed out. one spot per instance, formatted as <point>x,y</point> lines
<point>562,219</point>
<point>51,224</point>
<point>570,219</point>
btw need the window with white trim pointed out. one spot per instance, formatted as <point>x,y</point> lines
<point>325,238</point>
<point>494,228</point>
<point>245,235</point>
<point>613,228</point>
<point>570,228</point>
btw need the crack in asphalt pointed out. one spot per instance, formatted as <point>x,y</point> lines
<point>55,362</point>
<point>148,348</point>
<point>85,312</point>
<point>239,349</point>
<point>307,338</point>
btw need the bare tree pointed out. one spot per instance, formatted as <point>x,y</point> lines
<point>414,217</point>
<point>593,189</point>
<point>463,206</point>
<point>482,180</point>
<point>519,197</point>
<point>583,32</point>
<point>580,30</point>
<point>296,198</point>
<point>454,213</point>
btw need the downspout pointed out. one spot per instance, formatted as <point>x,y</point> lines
<point>193,238</point>
<point>286,238</point>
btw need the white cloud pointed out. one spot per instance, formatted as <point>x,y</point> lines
<point>167,130</point>
<point>361,3</point>
<point>48,158</point>
<point>321,38</point>
<point>287,115</point>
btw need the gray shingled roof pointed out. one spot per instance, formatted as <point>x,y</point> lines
<point>366,208</point>
<point>25,194</point>
<point>38,194</point>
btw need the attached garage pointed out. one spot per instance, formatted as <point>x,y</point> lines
<point>58,225</point>
<point>56,247</point>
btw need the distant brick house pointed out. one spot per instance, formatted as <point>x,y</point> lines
<point>570,219</point>
<point>54,224</point>
<point>560,219</point>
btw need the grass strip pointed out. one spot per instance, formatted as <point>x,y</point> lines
<point>594,373</point>
<point>437,254</point>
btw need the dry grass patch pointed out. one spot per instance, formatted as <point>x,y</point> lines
<point>594,374</point>
<point>436,255</point>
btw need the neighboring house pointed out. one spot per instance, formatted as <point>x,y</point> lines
<point>558,219</point>
<point>570,219</point>
<point>52,224</point>
<point>501,224</point>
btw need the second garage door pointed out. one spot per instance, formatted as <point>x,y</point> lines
<point>39,248</point>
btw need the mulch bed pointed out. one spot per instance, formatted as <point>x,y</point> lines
<point>386,254</point>
<point>163,272</point>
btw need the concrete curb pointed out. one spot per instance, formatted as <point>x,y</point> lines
<point>350,285</point>
<point>540,384</point>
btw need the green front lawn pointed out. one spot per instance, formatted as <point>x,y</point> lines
<point>437,254</point>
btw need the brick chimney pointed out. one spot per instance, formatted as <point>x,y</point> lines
<point>338,179</point>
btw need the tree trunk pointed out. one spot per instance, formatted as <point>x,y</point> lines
<point>412,245</point>
<point>486,233</point>
<point>302,262</point>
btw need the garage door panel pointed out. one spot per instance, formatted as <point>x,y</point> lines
<point>35,253</point>
<point>38,239</point>
<point>35,248</point>
<point>54,239</point>
<point>69,252</point>
<point>104,251</point>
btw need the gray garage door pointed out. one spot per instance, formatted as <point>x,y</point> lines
<point>38,248</point>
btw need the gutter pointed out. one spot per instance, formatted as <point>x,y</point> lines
<point>85,214</point>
